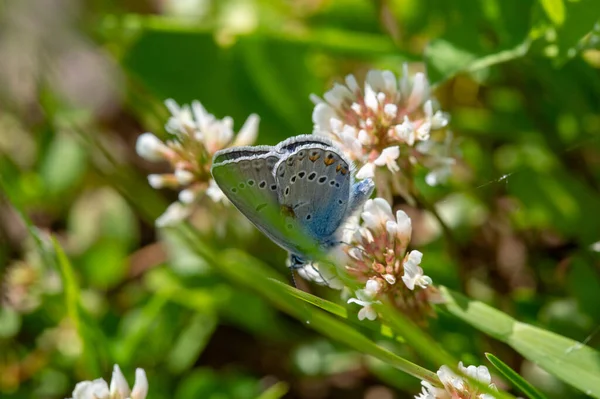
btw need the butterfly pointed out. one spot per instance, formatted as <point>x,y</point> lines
<point>298,193</point>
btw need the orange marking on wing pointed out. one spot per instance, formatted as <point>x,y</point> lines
<point>314,157</point>
<point>329,161</point>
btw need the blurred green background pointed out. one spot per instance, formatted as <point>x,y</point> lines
<point>79,81</point>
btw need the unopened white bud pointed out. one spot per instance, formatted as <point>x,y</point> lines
<point>184,177</point>
<point>149,147</point>
<point>156,181</point>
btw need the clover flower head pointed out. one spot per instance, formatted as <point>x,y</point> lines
<point>195,136</point>
<point>376,254</point>
<point>119,389</point>
<point>456,386</point>
<point>381,124</point>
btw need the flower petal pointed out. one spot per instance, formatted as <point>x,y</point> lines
<point>368,170</point>
<point>119,389</point>
<point>248,132</point>
<point>140,388</point>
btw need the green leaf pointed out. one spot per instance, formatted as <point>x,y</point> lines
<point>571,361</point>
<point>74,310</point>
<point>555,10</point>
<point>321,303</point>
<point>464,49</point>
<point>63,165</point>
<point>512,376</point>
<point>137,330</point>
<point>275,391</point>
<point>191,342</point>
<point>251,273</point>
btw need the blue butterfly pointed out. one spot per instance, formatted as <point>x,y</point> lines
<point>298,193</point>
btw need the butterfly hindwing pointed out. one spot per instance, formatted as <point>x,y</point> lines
<point>293,143</point>
<point>314,185</point>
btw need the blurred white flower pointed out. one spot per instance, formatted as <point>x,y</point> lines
<point>376,254</point>
<point>439,158</point>
<point>379,124</point>
<point>149,147</point>
<point>196,136</point>
<point>457,387</point>
<point>119,389</point>
<point>175,213</point>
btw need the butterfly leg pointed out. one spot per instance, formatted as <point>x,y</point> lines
<point>360,193</point>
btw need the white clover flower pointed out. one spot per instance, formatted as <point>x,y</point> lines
<point>413,273</point>
<point>376,253</point>
<point>365,298</point>
<point>367,311</point>
<point>119,389</point>
<point>379,125</point>
<point>388,158</point>
<point>455,386</point>
<point>196,136</point>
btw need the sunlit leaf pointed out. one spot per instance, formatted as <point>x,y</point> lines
<point>572,362</point>
<point>555,10</point>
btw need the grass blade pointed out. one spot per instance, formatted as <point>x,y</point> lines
<point>515,379</point>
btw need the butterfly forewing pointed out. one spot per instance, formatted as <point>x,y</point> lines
<point>249,184</point>
<point>314,185</point>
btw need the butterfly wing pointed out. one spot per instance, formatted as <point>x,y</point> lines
<point>245,177</point>
<point>293,143</point>
<point>314,186</point>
